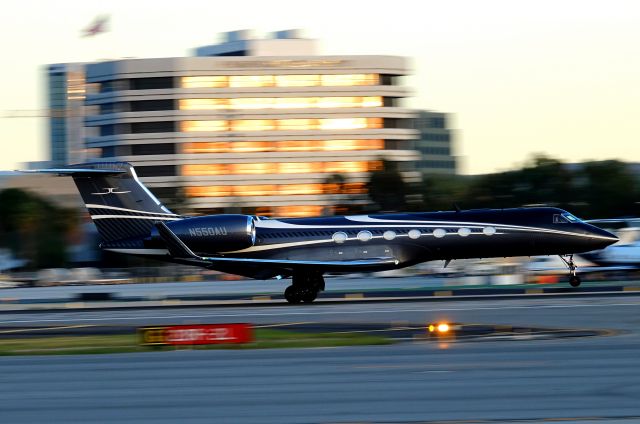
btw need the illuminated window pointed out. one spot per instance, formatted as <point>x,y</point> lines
<point>251,81</point>
<point>343,124</point>
<point>252,103</point>
<point>279,103</point>
<point>253,125</point>
<point>203,104</point>
<point>209,169</point>
<point>350,80</point>
<point>297,124</point>
<point>205,82</point>
<point>299,167</point>
<point>297,80</point>
<point>287,168</point>
<point>374,101</point>
<point>297,146</point>
<point>188,126</point>
<point>253,168</point>
<point>215,191</point>
<point>250,146</point>
<point>255,190</point>
<point>292,189</point>
<point>206,147</point>
<point>298,211</point>
<point>294,102</point>
<point>338,167</point>
<point>337,102</point>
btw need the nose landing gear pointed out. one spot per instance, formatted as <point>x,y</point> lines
<point>574,280</point>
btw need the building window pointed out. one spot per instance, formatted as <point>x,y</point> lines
<point>240,81</point>
<point>280,168</point>
<point>153,127</point>
<point>282,146</point>
<point>189,126</point>
<point>156,171</point>
<point>153,83</point>
<point>216,81</point>
<point>151,105</point>
<point>106,130</point>
<point>279,103</point>
<point>153,149</point>
<point>251,81</point>
<point>272,190</point>
<point>283,124</point>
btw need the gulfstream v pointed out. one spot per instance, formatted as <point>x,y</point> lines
<point>131,220</point>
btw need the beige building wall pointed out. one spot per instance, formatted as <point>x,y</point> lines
<point>261,133</point>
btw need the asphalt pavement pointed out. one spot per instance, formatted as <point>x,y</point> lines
<point>590,379</point>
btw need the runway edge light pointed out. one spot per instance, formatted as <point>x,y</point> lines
<point>439,329</point>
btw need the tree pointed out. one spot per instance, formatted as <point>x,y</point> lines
<point>35,229</point>
<point>387,189</point>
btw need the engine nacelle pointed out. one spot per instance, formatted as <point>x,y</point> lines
<point>215,233</point>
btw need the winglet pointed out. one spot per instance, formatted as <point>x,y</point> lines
<point>176,247</point>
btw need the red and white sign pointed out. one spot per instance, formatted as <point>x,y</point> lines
<point>208,334</point>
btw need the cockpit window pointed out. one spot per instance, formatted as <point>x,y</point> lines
<point>565,218</point>
<point>570,217</point>
<point>559,219</point>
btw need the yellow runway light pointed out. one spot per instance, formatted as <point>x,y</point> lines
<point>443,328</point>
<point>440,329</point>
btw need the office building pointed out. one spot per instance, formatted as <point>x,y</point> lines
<point>66,95</point>
<point>254,125</point>
<point>435,143</point>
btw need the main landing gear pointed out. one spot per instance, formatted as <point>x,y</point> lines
<point>574,280</point>
<point>304,287</point>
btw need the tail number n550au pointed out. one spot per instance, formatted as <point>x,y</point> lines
<point>208,231</point>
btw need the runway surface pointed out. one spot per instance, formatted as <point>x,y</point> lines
<point>586,380</point>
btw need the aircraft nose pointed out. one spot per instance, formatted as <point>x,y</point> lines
<point>600,238</point>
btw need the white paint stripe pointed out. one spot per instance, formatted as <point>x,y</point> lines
<point>154,218</point>
<point>115,208</point>
<point>140,251</point>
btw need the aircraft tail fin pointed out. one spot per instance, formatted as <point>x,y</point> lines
<point>120,206</point>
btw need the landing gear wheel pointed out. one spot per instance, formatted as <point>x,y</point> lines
<point>574,280</point>
<point>292,295</point>
<point>309,295</point>
<point>304,287</point>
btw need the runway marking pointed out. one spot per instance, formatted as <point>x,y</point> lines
<point>63,327</point>
<point>286,324</point>
<point>275,313</point>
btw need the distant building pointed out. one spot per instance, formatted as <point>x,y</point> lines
<point>251,125</point>
<point>254,125</point>
<point>435,143</point>
<point>66,95</point>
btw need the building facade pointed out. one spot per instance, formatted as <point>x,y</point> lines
<point>245,128</point>
<point>435,143</point>
<point>66,96</point>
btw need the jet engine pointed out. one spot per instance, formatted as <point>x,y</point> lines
<point>214,233</point>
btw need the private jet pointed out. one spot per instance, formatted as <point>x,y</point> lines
<point>131,220</point>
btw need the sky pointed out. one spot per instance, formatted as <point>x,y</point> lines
<point>559,77</point>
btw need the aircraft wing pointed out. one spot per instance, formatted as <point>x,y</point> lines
<point>184,254</point>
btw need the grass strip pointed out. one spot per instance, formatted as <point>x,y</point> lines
<point>264,339</point>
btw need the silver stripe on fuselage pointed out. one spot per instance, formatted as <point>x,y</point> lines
<point>115,208</point>
<point>275,224</point>
<point>139,251</point>
<point>155,218</point>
